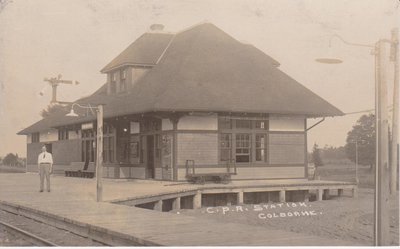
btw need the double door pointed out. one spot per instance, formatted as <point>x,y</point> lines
<point>158,156</point>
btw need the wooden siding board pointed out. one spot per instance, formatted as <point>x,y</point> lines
<point>286,148</point>
<point>200,147</point>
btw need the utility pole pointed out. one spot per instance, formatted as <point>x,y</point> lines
<point>395,123</point>
<point>99,161</point>
<point>357,181</point>
<point>382,237</point>
<point>54,82</point>
<point>99,146</point>
<point>382,169</point>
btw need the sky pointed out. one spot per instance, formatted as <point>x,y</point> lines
<point>76,38</point>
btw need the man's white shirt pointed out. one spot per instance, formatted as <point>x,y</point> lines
<point>45,157</point>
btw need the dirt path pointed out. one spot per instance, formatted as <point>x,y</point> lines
<point>340,218</point>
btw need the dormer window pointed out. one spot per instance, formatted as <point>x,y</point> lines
<point>113,83</point>
<point>123,81</point>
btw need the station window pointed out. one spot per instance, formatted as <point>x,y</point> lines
<point>243,140</point>
<point>243,147</point>
<point>113,83</point>
<point>263,125</point>
<point>63,134</point>
<point>260,147</point>
<point>224,123</point>
<point>88,145</point>
<point>134,149</point>
<point>35,137</point>
<point>243,124</point>
<point>122,87</point>
<point>108,143</point>
<point>226,147</point>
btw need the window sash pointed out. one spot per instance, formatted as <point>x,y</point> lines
<point>243,124</point>
<point>260,147</point>
<point>225,144</point>
<point>243,147</point>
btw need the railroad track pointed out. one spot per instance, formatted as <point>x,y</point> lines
<point>38,233</point>
<point>27,236</point>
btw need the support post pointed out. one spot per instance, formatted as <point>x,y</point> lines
<point>197,200</point>
<point>158,206</point>
<point>382,186</point>
<point>319,194</point>
<point>99,155</point>
<point>174,121</point>
<point>282,196</point>
<point>340,192</point>
<point>395,122</point>
<point>306,196</point>
<point>240,198</point>
<point>176,204</point>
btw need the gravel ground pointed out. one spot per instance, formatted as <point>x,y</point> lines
<point>340,218</point>
<point>8,239</point>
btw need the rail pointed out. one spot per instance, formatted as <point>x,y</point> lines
<point>27,236</point>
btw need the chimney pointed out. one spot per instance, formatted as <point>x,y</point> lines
<point>156,27</point>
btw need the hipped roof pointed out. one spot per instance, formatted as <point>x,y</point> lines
<point>202,69</point>
<point>146,51</point>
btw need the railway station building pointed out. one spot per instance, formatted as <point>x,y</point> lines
<point>197,95</point>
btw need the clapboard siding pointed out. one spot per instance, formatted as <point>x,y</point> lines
<point>132,172</point>
<point>66,151</point>
<point>287,148</point>
<point>33,151</point>
<point>200,147</point>
<point>158,173</point>
<point>278,172</point>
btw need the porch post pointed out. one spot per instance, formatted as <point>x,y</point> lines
<point>176,204</point>
<point>282,196</point>
<point>158,206</point>
<point>197,200</point>
<point>319,194</point>
<point>175,121</point>
<point>240,197</point>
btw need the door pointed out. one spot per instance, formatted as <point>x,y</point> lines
<point>49,148</point>
<point>150,156</point>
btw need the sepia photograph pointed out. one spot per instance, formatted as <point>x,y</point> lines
<point>199,123</point>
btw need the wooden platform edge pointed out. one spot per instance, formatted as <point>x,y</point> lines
<point>100,234</point>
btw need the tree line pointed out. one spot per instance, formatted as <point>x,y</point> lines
<point>360,145</point>
<point>12,160</point>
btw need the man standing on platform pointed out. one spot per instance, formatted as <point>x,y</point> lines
<point>45,166</point>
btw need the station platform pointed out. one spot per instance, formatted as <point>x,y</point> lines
<point>71,205</point>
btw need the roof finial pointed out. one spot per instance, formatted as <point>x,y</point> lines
<point>156,27</point>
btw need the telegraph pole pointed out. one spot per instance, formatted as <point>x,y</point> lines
<point>54,82</point>
<point>99,161</point>
<point>357,181</point>
<point>382,237</point>
<point>382,169</point>
<point>395,123</point>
